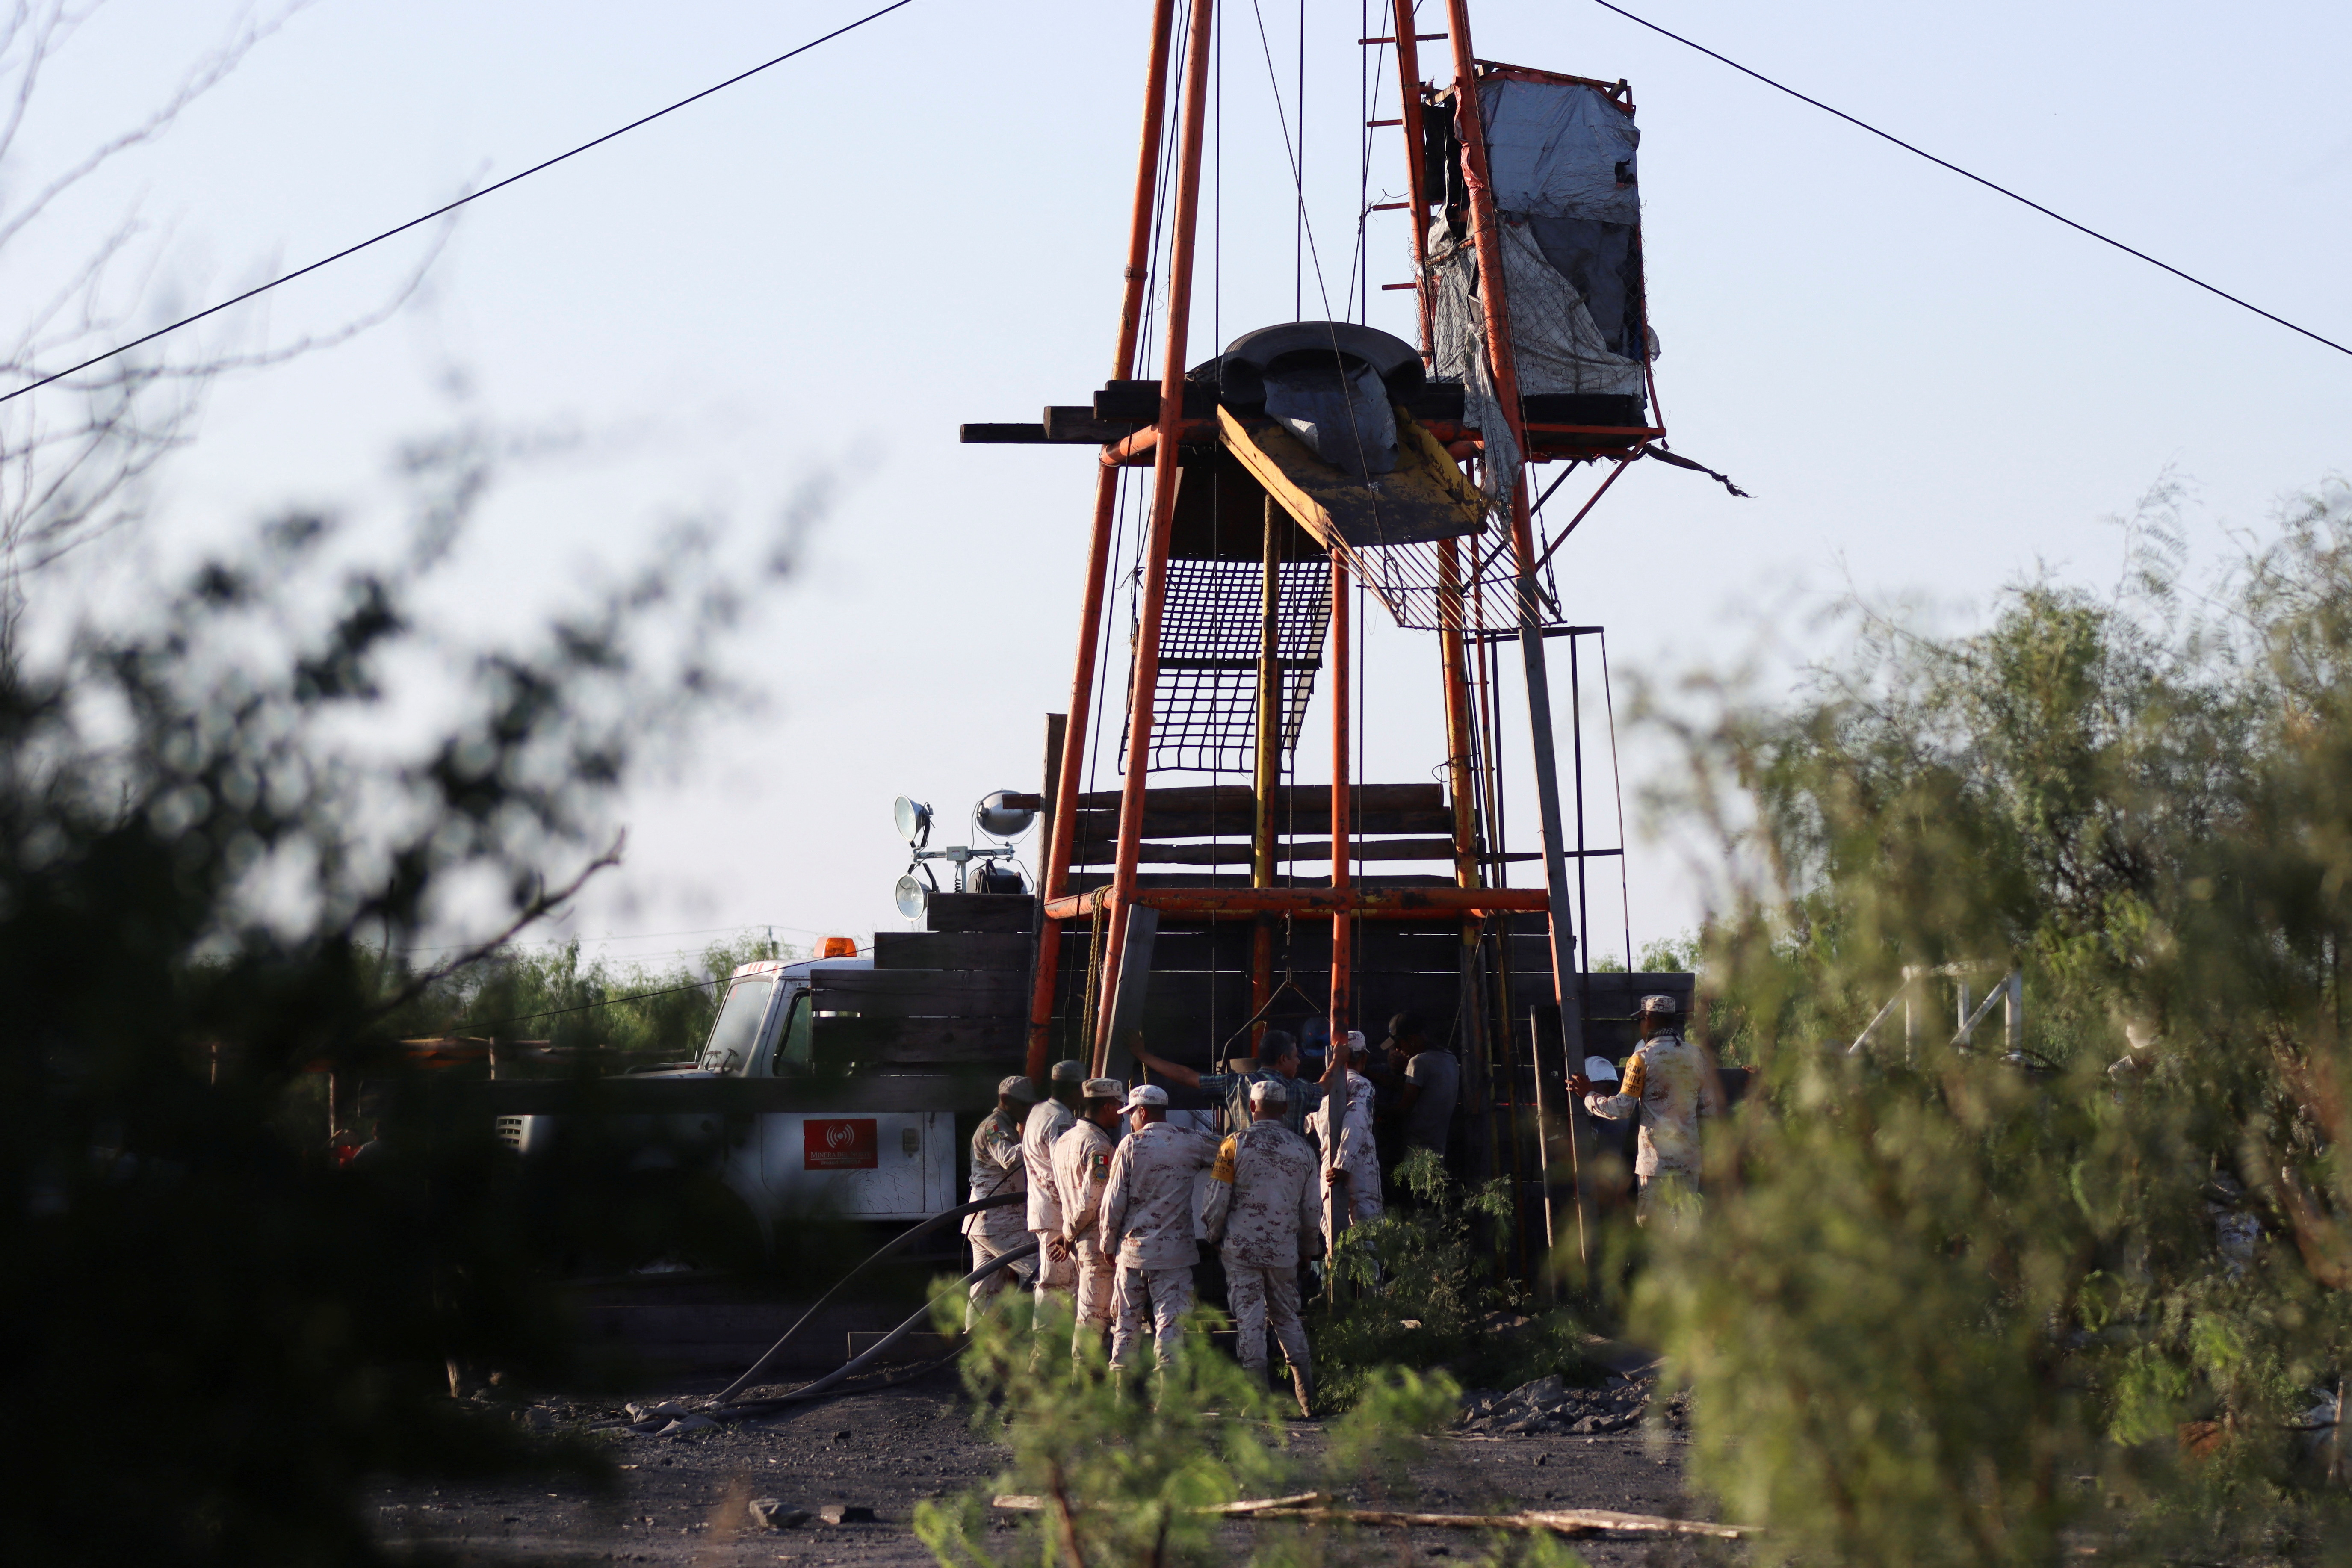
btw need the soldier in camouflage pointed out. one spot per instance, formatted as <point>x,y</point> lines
<point>1671,1085</point>
<point>1049,1120</point>
<point>1264,1212</point>
<point>1081,1170</point>
<point>997,1169</point>
<point>1343,1128</point>
<point>1147,1219</point>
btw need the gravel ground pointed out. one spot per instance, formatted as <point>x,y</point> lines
<point>681,1498</point>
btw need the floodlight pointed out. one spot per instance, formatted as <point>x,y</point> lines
<point>912,898</point>
<point>1000,818</point>
<point>991,877</point>
<point>914,821</point>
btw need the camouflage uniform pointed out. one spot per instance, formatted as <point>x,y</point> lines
<point>1147,1218</point>
<point>1349,1148</point>
<point>1081,1170</point>
<point>1049,1120</point>
<point>1265,1210</point>
<point>1670,1086</point>
<point>996,1168</point>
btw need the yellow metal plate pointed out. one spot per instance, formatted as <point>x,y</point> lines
<point>1425,498</point>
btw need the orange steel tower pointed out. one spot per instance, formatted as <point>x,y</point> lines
<point>1289,466</point>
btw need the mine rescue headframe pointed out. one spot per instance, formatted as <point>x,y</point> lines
<point>1190,414</point>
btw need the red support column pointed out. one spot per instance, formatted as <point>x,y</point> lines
<point>1054,876</point>
<point>1165,456</point>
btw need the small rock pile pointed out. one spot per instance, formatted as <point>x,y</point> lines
<point>1549,1404</point>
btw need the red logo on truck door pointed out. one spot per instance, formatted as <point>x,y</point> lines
<point>849,1144</point>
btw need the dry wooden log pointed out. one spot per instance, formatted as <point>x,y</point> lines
<point>1315,1507</point>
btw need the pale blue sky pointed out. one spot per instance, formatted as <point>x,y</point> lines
<point>1928,390</point>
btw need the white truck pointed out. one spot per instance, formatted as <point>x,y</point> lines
<point>838,1088</point>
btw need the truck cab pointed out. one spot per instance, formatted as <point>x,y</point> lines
<point>882,1164</point>
<point>869,1064</point>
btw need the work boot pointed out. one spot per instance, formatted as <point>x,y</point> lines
<point>1302,1383</point>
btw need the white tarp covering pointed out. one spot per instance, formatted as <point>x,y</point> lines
<point>1559,149</point>
<point>1557,345</point>
<point>1560,158</point>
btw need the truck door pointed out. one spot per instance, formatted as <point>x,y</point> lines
<point>859,1165</point>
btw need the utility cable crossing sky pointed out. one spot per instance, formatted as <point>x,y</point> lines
<point>1979,179</point>
<point>261,289</point>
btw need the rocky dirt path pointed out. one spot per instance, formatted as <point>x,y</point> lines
<point>680,1498</point>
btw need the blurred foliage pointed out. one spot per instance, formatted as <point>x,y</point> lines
<point>1660,955</point>
<point>1126,1462</point>
<point>1422,1288</point>
<point>215,807</point>
<point>1951,1304</point>
<point>639,1013</point>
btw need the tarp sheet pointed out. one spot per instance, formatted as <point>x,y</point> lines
<point>1560,158</point>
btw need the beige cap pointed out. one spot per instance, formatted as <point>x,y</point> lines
<point>1666,1005</point>
<point>1270,1091</point>
<point>1147,1094</point>
<point>1018,1087</point>
<point>1104,1089</point>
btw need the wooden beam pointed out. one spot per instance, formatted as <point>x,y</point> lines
<point>1305,799</point>
<point>1097,852</point>
<point>1366,902</point>
<point>1419,821</point>
<point>952,950</point>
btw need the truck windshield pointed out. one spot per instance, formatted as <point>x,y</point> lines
<point>735,1033</point>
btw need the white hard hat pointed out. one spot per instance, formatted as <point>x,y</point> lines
<point>1600,1070</point>
<point>1144,1094</point>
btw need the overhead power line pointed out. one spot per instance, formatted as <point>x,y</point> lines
<point>450,207</point>
<point>1979,179</point>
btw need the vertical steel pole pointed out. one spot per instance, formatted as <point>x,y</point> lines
<point>1450,655</point>
<point>1343,924</point>
<point>1266,775</point>
<point>1061,830</point>
<point>1576,752</point>
<point>1492,293</point>
<point>1145,686</point>
<point>1477,1058</point>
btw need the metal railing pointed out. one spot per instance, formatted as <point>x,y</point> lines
<point>1968,1013</point>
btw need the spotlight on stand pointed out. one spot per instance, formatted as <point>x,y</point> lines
<point>987,878</point>
<point>913,898</point>
<point>1007,814</point>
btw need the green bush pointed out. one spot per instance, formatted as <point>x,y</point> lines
<point>215,808</point>
<point>1950,1304</point>
<point>1423,1288</point>
<point>1126,1464</point>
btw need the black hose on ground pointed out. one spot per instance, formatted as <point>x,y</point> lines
<point>721,1412</point>
<point>996,1201</point>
